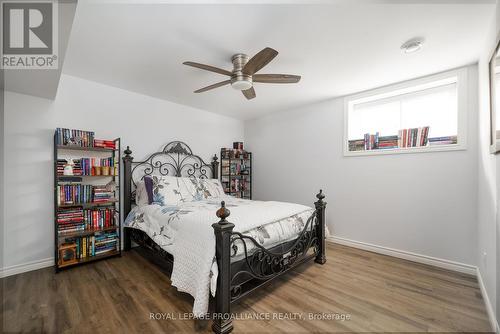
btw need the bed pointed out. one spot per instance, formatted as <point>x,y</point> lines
<point>252,243</point>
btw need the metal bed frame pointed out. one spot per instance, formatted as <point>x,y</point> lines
<point>237,277</point>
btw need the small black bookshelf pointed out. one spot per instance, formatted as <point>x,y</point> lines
<point>87,216</point>
<point>236,172</point>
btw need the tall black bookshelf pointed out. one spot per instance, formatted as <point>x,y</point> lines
<point>101,224</point>
<point>236,172</point>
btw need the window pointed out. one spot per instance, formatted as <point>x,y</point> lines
<point>417,116</point>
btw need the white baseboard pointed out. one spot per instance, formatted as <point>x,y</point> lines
<point>29,266</point>
<point>441,263</point>
<point>489,307</point>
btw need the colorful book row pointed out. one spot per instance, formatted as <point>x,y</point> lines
<point>74,137</point>
<point>95,245</point>
<point>81,194</point>
<point>87,166</point>
<point>80,138</point>
<point>78,219</point>
<point>413,137</point>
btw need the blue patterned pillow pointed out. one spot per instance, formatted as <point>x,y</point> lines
<point>169,190</point>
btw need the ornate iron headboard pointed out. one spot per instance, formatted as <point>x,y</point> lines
<point>175,159</point>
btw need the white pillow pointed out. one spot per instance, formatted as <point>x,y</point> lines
<point>141,195</point>
<point>170,190</point>
<point>201,189</point>
<point>215,188</point>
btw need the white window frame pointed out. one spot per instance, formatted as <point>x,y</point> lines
<point>398,89</point>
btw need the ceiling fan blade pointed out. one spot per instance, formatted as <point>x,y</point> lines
<point>260,60</point>
<point>207,68</point>
<point>276,78</point>
<point>215,85</point>
<point>249,93</point>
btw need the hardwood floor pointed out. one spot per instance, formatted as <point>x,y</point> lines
<point>378,293</point>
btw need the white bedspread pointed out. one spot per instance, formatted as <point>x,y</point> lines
<point>186,232</point>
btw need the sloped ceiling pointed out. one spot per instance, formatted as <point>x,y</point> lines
<point>44,83</point>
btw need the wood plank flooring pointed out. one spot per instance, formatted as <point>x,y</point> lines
<point>378,293</point>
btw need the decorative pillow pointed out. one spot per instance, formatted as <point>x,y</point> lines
<point>148,182</point>
<point>169,190</point>
<point>215,187</point>
<point>201,189</point>
<point>144,191</point>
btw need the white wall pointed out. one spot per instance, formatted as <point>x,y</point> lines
<point>488,186</point>
<point>2,188</point>
<point>423,203</point>
<point>496,295</point>
<point>142,122</point>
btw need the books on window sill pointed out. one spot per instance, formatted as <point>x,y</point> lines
<point>373,142</point>
<point>413,137</point>
<point>406,138</point>
<point>357,145</point>
<point>387,142</point>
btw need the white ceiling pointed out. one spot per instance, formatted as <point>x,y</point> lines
<point>338,49</point>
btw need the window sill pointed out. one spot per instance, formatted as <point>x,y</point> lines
<point>409,150</point>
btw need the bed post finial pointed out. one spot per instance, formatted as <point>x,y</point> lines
<point>222,323</point>
<point>223,213</point>
<point>320,228</point>
<point>127,151</point>
<point>215,167</point>
<point>320,196</point>
<point>127,192</point>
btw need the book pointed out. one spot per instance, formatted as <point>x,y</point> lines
<point>104,143</point>
<point>101,194</point>
<point>357,145</point>
<point>413,137</point>
<point>70,220</point>
<point>99,218</point>
<point>446,140</point>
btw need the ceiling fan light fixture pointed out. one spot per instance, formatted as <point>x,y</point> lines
<point>241,82</point>
<point>244,72</point>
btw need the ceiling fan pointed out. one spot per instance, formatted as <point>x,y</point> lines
<point>244,72</point>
